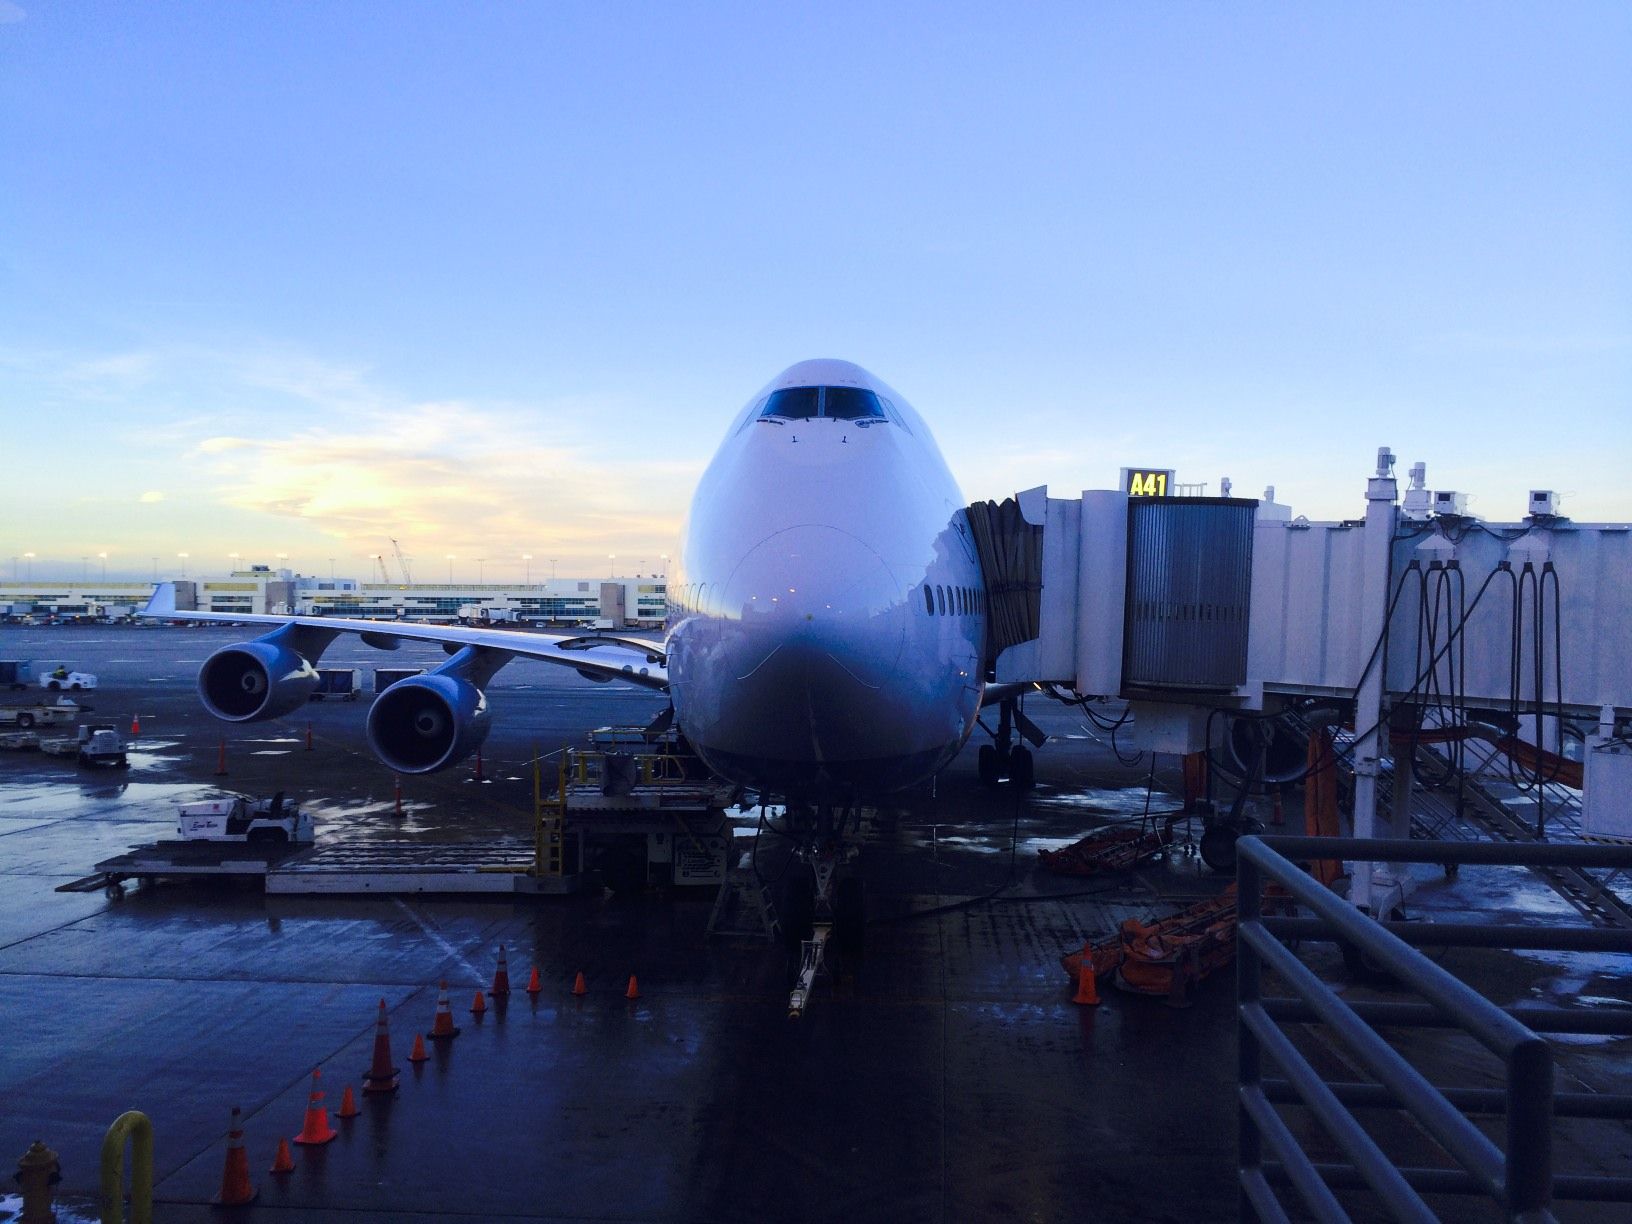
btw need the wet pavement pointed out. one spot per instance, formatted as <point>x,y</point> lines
<point>943,1076</point>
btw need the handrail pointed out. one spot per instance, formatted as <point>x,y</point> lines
<point>1519,1176</point>
<point>132,1125</point>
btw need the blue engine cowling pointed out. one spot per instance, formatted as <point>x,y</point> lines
<point>255,680</point>
<point>426,723</point>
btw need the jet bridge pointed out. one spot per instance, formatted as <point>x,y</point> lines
<point>1413,614</point>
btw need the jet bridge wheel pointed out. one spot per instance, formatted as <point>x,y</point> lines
<point>1218,848</point>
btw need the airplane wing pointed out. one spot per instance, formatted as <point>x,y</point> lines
<point>597,658</point>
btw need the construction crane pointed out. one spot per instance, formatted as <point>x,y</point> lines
<point>384,576</point>
<point>402,562</point>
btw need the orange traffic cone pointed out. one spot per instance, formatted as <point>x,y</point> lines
<point>235,1184</point>
<point>478,1005</point>
<point>316,1129</point>
<point>348,1105</point>
<point>634,990</point>
<point>501,976</point>
<point>578,986</point>
<point>135,724</point>
<point>382,1076</point>
<point>417,1054</point>
<point>284,1162</point>
<point>533,984</point>
<point>443,1029</point>
<point>1087,985</point>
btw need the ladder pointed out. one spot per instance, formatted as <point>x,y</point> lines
<point>550,820</point>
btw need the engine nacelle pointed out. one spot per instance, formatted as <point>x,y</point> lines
<point>426,723</point>
<point>255,680</point>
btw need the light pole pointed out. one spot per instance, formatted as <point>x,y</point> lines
<point>331,569</point>
<point>233,557</point>
<point>664,557</point>
<point>612,565</point>
<point>450,569</point>
<point>282,557</point>
<point>528,558</point>
<point>552,567</point>
<point>29,557</point>
<point>155,569</point>
<point>183,557</point>
<point>481,571</point>
<point>104,557</point>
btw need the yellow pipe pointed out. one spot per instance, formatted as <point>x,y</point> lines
<point>134,1126</point>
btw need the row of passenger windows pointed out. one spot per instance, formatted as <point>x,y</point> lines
<point>953,600</point>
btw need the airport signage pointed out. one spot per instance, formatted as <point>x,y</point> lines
<point>1147,482</point>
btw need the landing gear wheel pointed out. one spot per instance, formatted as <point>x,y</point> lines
<point>1218,848</point>
<point>799,908</point>
<point>1021,773</point>
<point>989,768</point>
<point>25,720</point>
<point>849,915</point>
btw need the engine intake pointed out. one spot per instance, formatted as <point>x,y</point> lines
<point>426,723</point>
<point>254,681</point>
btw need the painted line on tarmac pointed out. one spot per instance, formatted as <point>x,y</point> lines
<point>453,953</point>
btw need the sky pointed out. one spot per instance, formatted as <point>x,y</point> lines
<point>293,280</point>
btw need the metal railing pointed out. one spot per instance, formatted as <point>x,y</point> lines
<point>1519,1176</point>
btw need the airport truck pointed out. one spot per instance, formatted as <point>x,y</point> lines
<point>41,715</point>
<point>99,744</point>
<point>237,819</point>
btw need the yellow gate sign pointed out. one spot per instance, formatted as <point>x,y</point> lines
<point>1147,482</point>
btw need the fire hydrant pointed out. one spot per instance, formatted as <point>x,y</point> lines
<point>37,1171</point>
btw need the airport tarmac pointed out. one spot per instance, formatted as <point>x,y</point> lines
<point>946,1076</point>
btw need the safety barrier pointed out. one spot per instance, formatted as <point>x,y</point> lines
<point>1519,1177</point>
<point>134,1126</point>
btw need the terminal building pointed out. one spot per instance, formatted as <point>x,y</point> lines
<point>607,603</point>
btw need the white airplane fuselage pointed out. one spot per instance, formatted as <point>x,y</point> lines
<point>827,614</point>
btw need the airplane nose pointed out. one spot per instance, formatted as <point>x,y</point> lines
<point>816,597</point>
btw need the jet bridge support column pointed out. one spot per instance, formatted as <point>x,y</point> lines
<point>1369,718</point>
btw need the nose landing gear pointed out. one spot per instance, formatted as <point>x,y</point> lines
<point>1003,757</point>
<point>821,908</point>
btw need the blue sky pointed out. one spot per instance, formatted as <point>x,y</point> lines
<point>297,278</point>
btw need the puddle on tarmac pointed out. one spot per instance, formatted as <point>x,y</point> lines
<point>1121,801</point>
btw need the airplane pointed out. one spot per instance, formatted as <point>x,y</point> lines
<point>825,632</point>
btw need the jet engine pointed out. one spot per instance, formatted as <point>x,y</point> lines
<point>426,723</point>
<point>255,680</point>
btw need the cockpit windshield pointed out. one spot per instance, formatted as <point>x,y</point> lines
<point>841,403</point>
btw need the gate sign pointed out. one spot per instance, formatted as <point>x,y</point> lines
<point>1147,482</point>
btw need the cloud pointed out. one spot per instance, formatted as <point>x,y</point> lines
<point>452,476</point>
<point>150,497</point>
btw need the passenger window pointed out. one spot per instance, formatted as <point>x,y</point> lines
<point>940,599</point>
<point>929,600</point>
